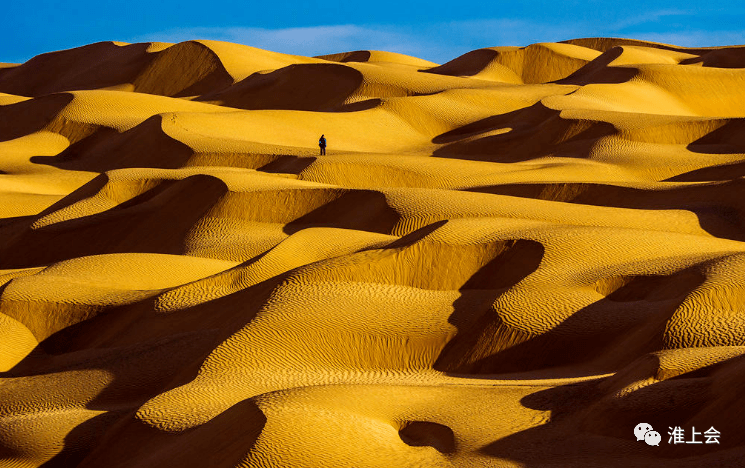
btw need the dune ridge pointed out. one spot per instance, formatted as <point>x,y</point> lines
<point>507,260</point>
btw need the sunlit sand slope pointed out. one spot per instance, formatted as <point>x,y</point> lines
<point>507,260</point>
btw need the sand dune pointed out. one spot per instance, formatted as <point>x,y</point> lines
<point>510,259</point>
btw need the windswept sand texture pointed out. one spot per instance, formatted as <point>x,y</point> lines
<point>510,259</point>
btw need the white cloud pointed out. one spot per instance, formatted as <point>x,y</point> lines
<point>696,38</point>
<point>440,42</point>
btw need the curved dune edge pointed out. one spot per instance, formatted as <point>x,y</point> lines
<point>510,259</point>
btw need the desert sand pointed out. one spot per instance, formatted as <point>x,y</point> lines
<point>507,260</point>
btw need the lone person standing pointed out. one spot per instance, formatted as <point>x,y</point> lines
<point>322,144</point>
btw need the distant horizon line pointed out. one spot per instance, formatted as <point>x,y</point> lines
<point>371,49</point>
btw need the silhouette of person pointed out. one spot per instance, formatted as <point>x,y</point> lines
<point>322,144</point>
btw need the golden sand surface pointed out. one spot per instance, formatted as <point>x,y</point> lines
<point>508,260</point>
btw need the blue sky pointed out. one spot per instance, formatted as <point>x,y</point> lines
<point>435,30</point>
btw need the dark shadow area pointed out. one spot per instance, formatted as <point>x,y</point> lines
<point>222,442</point>
<point>472,314</point>
<point>145,350</point>
<point>649,288</point>
<point>92,66</point>
<point>359,105</point>
<point>287,164</point>
<point>145,145</point>
<point>609,334</point>
<point>27,117</point>
<point>590,424</point>
<point>309,87</point>
<point>345,57</point>
<point>182,70</point>
<point>726,57</point>
<point>730,171</point>
<point>524,63</point>
<point>156,221</point>
<point>432,93</point>
<point>528,133</point>
<point>560,442</point>
<point>15,220</point>
<point>82,439</point>
<point>534,131</point>
<point>87,190</point>
<point>727,139</point>
<point>515,261</point>
<point>149,353</point>
<point>719,207</point>
<point>468,64</point>
<point>428,434</point>
<point>416,235</point>
<point>600,71</point>
<point>364,210</point>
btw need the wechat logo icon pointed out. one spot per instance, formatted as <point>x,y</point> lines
<point>645,432</point>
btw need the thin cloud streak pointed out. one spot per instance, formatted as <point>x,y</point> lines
<point>309,41</point>
<point>696,38</point>
<point>648,17</point>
